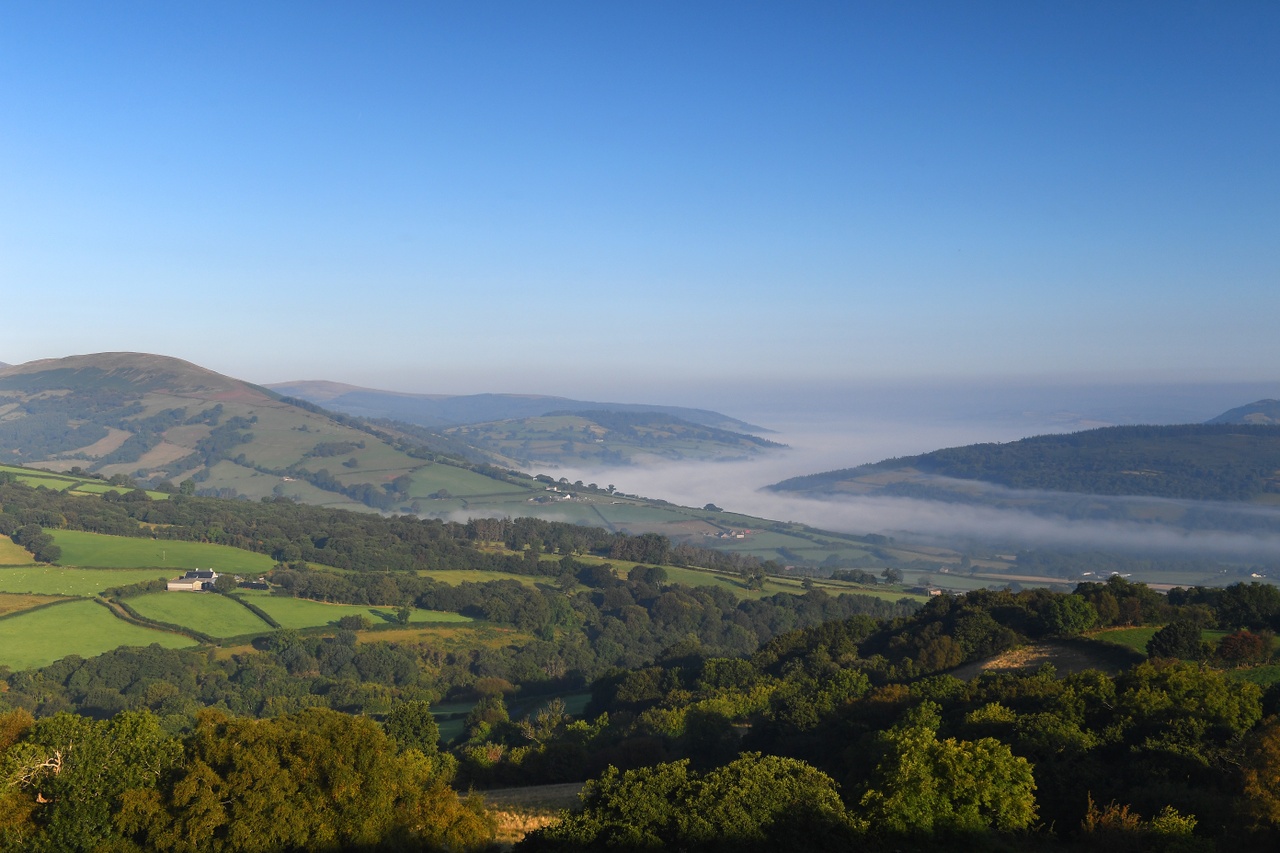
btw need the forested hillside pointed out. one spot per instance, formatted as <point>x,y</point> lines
<point>703,718</point>
<point>1217,462</point>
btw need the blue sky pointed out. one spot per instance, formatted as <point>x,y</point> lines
<point>636,199</point>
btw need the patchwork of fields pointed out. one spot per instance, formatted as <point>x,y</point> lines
<point>78,627</point>
<point>45,613</point>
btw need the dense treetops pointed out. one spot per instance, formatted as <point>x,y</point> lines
<point>315,780</point>
<point>713,724</point>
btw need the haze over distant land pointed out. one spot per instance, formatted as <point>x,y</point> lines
<point>641,202</point>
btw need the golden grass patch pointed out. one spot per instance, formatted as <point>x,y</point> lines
<point>14,602</point>
<point>447,636</point>
<point>12,554</point>
<point>519,811</point>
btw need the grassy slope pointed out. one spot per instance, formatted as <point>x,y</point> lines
<point>11,603</point>
<point>82,628</point>
<point>12,554</point>
<point>215,615</point>
<point>67,483</point>
<point>301,613</point>
<point>121,552</point>
<point>56,580</point>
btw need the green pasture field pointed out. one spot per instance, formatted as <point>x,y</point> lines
<point>433,476</point>
<point>127,552</point>
<point>622,514</point>
<point>83,628</point>
<point>13,554</point>
<point>92,487</point>
<point>33,477</point>
<point>209,613</point>
<point>1137,638</point>
<point>298,613</point>
<point>1263,676</point>
<point>277,444</point>
<point>65,482</point>
<point>56,580</point>
<point>1134,638</point>
<point>255,485</point>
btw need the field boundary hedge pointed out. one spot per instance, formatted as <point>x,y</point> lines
<point>62,599</point>
<point>131,615</point>
<point>254,609</point>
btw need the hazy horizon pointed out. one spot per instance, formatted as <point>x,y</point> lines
<point>646,200</point>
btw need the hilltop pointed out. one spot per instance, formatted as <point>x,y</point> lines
<point>160,422</point>
<point>1260,412</point>
<point>155,419</point>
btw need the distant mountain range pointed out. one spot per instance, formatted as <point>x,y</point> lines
<point>526,429</point>
<point>113,421</point>
<point>155,419</point>
<point>442,410</point>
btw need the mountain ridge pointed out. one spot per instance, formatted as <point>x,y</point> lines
<point>1257,412</point>
<point>438,410</point>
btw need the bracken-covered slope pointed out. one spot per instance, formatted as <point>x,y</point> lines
<point>153,418</point>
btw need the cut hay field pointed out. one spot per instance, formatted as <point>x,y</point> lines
<point>301,613</point>
<point>56,580</point>
<point>168,555</point>
<point>453,577</point>
<point>455,637</point>
<point>83,628</point>
<point>215,615</point>
<point>16,602</point>
<point>12,554</point>
<point>519,811</point>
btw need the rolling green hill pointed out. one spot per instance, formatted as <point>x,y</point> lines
<point>98,423</point>
<point>131,417</point>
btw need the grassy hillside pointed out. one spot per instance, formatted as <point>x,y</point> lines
<point>568,437</point>
<point>126,417</point>
<point>78,627</point>
<point>120,552</point>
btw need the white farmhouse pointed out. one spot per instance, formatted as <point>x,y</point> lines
<point>196,580</point>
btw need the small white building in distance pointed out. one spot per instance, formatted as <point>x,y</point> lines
<point>196,580</point>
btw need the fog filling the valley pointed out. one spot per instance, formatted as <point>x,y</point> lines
<point>846,433</point>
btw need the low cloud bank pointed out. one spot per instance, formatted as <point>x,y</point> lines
<point>1222,530</point>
